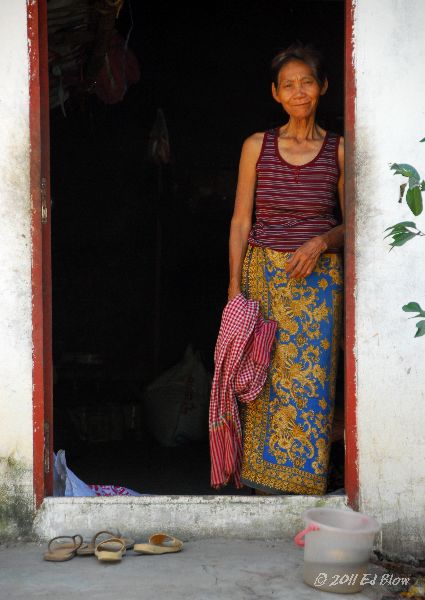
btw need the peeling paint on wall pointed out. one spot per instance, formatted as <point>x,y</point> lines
<point>390,51</point>
<point>16,449</point>
<point>16,504</point>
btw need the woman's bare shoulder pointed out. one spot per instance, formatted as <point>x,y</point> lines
<point>252,144</point>
<point>256,139</point>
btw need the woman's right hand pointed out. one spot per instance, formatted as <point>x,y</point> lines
<point>234,290</point>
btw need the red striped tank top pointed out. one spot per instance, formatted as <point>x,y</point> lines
<point>294,203</point>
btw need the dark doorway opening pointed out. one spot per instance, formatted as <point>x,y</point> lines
<point>207,71</point>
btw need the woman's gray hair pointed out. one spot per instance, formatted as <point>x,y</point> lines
<point>306,53</point>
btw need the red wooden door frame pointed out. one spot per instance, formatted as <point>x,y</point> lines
<point>350,392</point>
<point>41,247</point>
<point>41,250</point>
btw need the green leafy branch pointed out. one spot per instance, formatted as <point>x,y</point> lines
<point>403,232</point>
<point>416,186</point>
<point>415,307</point>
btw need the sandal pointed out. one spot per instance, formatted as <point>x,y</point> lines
<point>89,549</point>
<point>159,543</point>
<point>110,550</point>
<point>59,552</point>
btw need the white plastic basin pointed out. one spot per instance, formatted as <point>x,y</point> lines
<point>337,545</point>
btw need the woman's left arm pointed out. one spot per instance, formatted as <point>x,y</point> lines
<point>305,258</point>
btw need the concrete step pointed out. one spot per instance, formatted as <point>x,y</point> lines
<point>188,517</point>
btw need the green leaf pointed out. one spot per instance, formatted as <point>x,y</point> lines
<point>405,170</point>
<point>397,230</point>
<point>402,224</point>
<point>423,185</point>
<point>414,200</point>
<point>422,140</point>
<point>421,329</point>
<point>414,307</point>
<point>401,238</point>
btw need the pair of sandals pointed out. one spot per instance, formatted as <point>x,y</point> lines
<point>109,549</point>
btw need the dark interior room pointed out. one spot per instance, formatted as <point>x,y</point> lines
<point>144,165</point>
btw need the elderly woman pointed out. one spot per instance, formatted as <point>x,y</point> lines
<point>289,260</point>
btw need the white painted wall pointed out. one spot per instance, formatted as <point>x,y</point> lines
<point>390,121</point>
<point>15,254</point>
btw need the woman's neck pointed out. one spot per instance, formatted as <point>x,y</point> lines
<point>301,129</point>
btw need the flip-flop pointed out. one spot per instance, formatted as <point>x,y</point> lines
<point>159,543</point>
<point>59,552</point>
<point>88,549</point>
<point>110,550</point>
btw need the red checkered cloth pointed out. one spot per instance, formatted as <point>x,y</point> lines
<point>242,357</point>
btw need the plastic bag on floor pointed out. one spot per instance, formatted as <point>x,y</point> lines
<point>177,402</point>
<point>66,483</point>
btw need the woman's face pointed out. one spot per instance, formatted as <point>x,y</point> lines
<point>298,90</point>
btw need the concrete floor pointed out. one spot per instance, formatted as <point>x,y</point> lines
<point>206,569</point>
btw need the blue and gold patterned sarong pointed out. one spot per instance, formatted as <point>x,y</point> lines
<point>287,430</point>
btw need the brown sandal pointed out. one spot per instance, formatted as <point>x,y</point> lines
<point>159,543</point>
<point>59,552</point>
<point>89,549</point>
<point>110,550</point>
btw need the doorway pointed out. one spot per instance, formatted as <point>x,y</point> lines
<point>209,77</point>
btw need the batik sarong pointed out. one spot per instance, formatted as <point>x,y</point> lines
<point>287,430</point>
